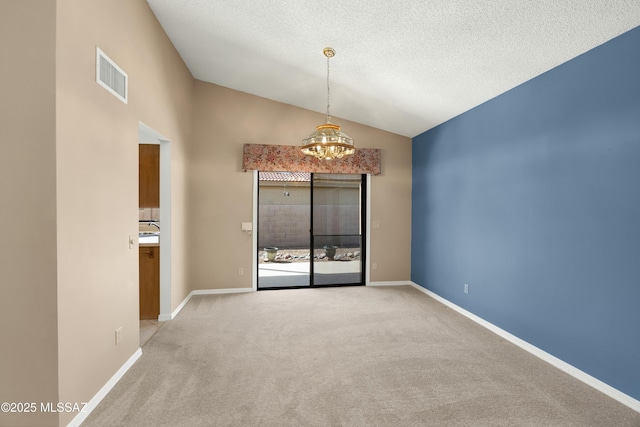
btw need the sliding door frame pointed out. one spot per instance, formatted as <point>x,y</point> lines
<point>366,232</point>
<point>362,194</point>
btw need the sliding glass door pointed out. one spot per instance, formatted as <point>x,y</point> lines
<point>310,230</point>
<point>336,238</point>
<point>284,204</point>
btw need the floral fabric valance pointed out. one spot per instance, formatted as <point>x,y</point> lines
<point>281,158</point>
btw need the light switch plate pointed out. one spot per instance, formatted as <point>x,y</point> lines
<point>247,226</point>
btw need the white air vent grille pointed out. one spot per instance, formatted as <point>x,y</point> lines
<point>110,76</point>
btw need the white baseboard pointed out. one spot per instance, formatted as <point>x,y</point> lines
<point>221,291</point>
<point>93,403</point>
<point>174,313</point>
<point>395,283</point>
<point>164,317</point>
<point>541,354</point>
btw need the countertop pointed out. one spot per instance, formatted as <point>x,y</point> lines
<point>147,241</point>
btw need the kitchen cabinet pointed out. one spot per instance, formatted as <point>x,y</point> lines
<point>149,176</point>
<point>149,282</point>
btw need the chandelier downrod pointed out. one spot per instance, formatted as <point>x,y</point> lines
<point>328,142</point>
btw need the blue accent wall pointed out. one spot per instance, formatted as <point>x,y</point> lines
<point>533,200</point>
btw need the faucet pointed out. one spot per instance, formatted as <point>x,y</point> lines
<point>155,224</point>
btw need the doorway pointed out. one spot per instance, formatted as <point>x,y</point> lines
<point>147,135</point>
<point>310,230</point>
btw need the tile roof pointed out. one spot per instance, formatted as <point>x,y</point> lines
<point>285,176</point>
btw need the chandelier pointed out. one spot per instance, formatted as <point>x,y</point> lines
<point>328,142</point>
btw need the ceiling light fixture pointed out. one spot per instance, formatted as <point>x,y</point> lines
<point>328,142</point>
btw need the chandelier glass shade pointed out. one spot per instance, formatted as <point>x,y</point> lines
<point>328,142</point>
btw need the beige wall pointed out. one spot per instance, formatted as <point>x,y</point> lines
<point>221,195</point>
<point>97,176</point>
<point>28,336</point>
<point>68,177</point>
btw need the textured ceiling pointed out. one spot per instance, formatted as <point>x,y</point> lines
<point>404,66</point>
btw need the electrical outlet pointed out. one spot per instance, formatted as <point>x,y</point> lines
<point>118,335</point>
<point>466,288</point>
<point>240,271</point>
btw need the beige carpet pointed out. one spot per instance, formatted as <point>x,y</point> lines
<point>343,357</point>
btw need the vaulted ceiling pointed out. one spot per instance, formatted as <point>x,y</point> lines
<point>403,66</point>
